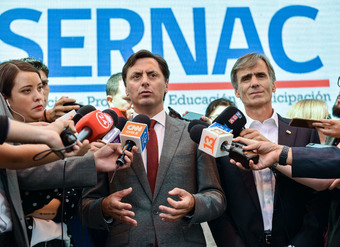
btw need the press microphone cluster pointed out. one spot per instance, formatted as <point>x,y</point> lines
<point>134,133</point>
<point>216,139</point>
<point>91,124</point>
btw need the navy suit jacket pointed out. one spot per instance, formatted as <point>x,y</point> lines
<point>316,162</point>
<point>293,221</point>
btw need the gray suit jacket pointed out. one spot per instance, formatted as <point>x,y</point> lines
<point>80,172</point>
<point>181,165</point>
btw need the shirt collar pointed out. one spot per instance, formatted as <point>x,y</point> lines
<point>159,117</point>
<point>251,121</point>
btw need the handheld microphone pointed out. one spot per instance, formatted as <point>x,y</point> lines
<point>113,136</point>
<point>213,140</point>
<point>67,136</point>
<point>218,142</point>
<point>232,118</point>
<point>93,126</point>
<point>194,122</point>
<point>135,133</point>
<point>82,111</point>
<point>111,116</point>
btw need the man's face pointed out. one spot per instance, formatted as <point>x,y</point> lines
<point>146,85</point>
<point>254,85</point>
<point>46,87</point>
<point>336,107</point>
<point>120,100</point>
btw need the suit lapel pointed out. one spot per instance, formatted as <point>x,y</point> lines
<point>287,134</point>
<point>139,169</point>
<point>173,132</point>
<point>248,179</point>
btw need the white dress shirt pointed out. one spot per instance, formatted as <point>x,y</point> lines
<point>264,179</point>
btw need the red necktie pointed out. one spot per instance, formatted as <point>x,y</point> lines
<point>152,156</point>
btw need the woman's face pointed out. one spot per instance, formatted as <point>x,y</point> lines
<point>27,97</point>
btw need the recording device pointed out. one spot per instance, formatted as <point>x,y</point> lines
<point>173,113</point>
<point>232,118</point>
<point>192,116</point>
<point>94,126</point>
<point>187,117</point>
<point>113,136</point>
<point>134,133</point>
<point>217,142</point>
<point>304,123</point>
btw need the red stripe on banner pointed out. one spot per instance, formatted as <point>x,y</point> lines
<point>227,85</point>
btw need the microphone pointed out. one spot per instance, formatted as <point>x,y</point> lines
<point>218,142</point>
<point>93,126</point>
<point>194,122</point>
<point>232,118</point>
<point>213,140</point>
<point>135,133</point>
<point>113,135</point>
<point>82,111</point>
<point>67,136</point>
<point>112,116</point>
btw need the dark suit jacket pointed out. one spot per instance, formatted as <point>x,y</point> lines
<point>242,224</point>
<point>316,162</point>
<point>181,165</point>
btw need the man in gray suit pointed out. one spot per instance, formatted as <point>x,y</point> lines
<point>187,189</point>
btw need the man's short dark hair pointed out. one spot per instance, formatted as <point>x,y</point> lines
<point>36,64</point>
<point>113,83</point>
<point>144,54</point>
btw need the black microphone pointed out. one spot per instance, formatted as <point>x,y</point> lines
<point>195,122</point>
<point>232,118</point>
<point>82,111</point>
<point>113,116</point>
<point>134,134</point>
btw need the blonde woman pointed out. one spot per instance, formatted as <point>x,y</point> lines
<point>310,109</point>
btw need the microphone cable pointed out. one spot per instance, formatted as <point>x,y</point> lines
<point>58,151</point>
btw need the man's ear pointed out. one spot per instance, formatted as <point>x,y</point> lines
<point>274,88</point>
<point>166,86</point>
<point>109,98</point>
<point>237,94</point>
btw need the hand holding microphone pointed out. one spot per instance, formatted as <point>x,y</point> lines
<point>135,133</point>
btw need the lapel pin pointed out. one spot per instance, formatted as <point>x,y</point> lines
<point>288,132</point>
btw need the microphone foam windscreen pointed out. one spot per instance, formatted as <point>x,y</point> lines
<point>233,118</point>
<point>195,122</point>
<point>112,114</point>
<point>141,118</point>
<point>196,132</point>
<point>121,123</point>
<point>82,111</point>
